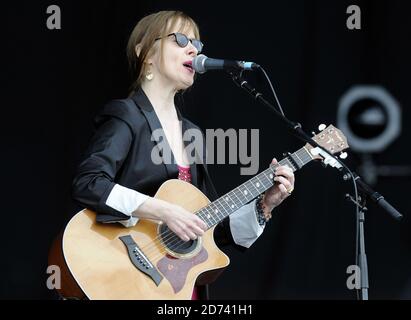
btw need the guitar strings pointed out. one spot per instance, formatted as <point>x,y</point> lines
<point>283,162</point>
<point>171,239</point>
<point>169,235</point>
<point>173,242</point>
<point>174,237</point>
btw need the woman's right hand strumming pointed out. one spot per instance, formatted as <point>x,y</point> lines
<point>182,222</point>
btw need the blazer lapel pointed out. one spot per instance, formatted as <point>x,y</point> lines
<point>145,106</point>
<point>193,165</point>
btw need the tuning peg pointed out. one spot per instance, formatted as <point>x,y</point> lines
<point>313,133</point>
<point>344,155</point>
<point>322,127</point>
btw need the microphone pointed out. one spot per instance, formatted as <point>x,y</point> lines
<point>202,64</point>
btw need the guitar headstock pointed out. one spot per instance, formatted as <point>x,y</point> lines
<point>331,139</point>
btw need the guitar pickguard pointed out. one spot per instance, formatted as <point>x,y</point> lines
<point>176,270</point>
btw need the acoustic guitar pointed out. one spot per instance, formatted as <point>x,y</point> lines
<point>148,261</point>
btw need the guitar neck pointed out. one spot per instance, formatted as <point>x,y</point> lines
<point>220,209</point>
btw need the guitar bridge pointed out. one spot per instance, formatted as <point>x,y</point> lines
<point>140,261</point>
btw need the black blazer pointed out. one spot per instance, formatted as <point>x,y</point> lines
<point>120,153</point>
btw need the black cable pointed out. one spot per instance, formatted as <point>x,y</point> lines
<point>273,91</point>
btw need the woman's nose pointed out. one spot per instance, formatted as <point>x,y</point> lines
<point>191,50</point>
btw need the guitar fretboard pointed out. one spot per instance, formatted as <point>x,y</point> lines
<point>220,209</point>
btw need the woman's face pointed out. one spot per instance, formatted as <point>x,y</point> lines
<point>176,68</point>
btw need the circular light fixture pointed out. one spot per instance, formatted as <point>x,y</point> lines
<point>370,118</point>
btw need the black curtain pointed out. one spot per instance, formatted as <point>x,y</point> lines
<point>55,81</point>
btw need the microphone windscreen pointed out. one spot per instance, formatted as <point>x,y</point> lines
<point>198,64</point>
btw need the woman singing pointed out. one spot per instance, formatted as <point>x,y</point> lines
<point>118,177</point>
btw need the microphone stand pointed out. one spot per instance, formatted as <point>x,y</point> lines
<point>361,255</point>
<point>365,190</point>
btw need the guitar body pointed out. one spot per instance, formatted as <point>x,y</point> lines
<point>96,264</point>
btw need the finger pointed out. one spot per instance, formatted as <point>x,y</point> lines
<point>197,225</point>
<point>274,162</point>
<point>284,182</point>
<point>197,230</point>
<point>287,173</point>
<point>185,238</point>
<point>284,171</point>
<point>191,234</point>
<point>180,233</point>
<point>189,227</point>
<point>200,223</point>
<point>183,230</point>
<point>284,192</point>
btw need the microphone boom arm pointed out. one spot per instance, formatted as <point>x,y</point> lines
<point>296,129</point>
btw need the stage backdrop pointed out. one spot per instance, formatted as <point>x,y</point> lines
<point>54,82</point>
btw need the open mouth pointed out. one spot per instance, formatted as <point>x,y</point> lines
<point>189,66</point>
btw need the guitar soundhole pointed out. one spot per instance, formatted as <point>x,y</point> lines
<point>174,244</point>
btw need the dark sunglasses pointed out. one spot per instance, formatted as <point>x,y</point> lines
<point>182,40</point>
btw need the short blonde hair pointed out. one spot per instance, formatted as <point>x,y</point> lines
<point>144,35</point>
